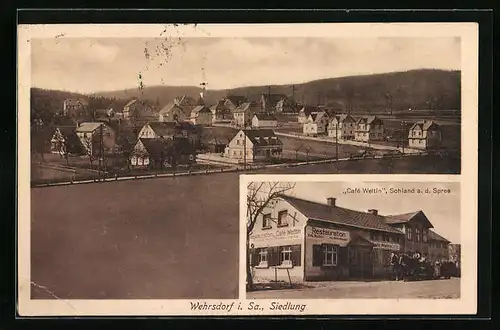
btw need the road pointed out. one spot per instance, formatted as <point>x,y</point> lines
<point>380,290</point>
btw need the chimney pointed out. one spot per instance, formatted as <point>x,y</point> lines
<point>331,201</point>
<point>373,211</point>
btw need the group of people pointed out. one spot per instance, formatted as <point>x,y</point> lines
<point>411,265</point>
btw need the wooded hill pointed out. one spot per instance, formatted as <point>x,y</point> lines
<point>425,89</point>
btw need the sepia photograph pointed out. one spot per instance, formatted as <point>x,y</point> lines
<point>353,240</point>
<point>134,138</point>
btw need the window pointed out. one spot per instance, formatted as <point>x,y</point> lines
<point>424,235</point>
<point>266,221</point>
<point>237,142</point>
<point>283,218</point>
<point>417,234</point>
<point>286,255</point>
<point>330,255</point>
<point>409,233</point>
<point>263,257</point>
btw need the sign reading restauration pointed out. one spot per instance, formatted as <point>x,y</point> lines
<point>328,235</point>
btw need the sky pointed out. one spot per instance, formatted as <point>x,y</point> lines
<point>442,210</point>
<point>88,65</point>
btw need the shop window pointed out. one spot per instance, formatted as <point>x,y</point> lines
<point>409,233</point>
<point>424,235</point>
<point>283,218</point>
<point>417,234</point>
<point>266,221</point>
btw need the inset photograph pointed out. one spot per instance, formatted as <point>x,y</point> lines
<point>324,240</point>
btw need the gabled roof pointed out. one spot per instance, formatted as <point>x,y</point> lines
<point>246,106</point>
<point>168,128</point>
<point>154,146</point>
<point>435,237</point>
<point>198,109</point>
<point>169,107</point>
<point>343,118</point>
<point>89,126</point>
<point>317,116</point>
<point>219,106</point>
<point>424,125</point>
<point>76,102</point>
<point>236,99</point>
<point>406,217</point>
<point>369,120</point>
<point>261,137</point>
<point>340,215</point>
<point>265,116</point>
<point>273,99</point>
<point>185,100</point>
<point>308,109</point>
<point>134,101</point>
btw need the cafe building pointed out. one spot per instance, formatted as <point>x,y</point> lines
<point>300,240</point>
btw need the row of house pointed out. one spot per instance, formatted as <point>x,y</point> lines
<point>422,135</point>
<point>308,240</point>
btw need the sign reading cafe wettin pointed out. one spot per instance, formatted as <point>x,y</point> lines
<point>326,234</point>
<point>283,236</point>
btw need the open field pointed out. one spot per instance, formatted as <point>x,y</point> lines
<point>433,289</point>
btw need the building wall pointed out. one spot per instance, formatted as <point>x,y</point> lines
<point>411,243</point>
<point>438,250</point>
<point>202,118</point>
<point>263,123</point>
<point>147,132</point>
<point>274,237</point>
<point>92,140</point>
<point>175,114</point>
<point>368,132</point>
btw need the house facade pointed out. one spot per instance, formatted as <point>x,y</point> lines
<point>172,113</point>
<point>243,114</point>
<point>65,141</point>
<point>233,101</point>
<point>425,135</point>
<point>322,241</point>
<point>369,128</point>
<point>75,107</point>
<point>438,247</point>
<point>254,145</point>
<point>264,120</point>
<point>139,110</point>
<point>305,112</point>
<point>316,124</point>
<point>220,112</point>
<point>201,115</point>
<point>315,241</point>
<point>96,137</point>
<point>151,153</point>
<point>342,127</point>
<point>170,130</point>
<point>274,103</point>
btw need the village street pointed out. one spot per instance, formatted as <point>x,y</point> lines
<point>378,290</point>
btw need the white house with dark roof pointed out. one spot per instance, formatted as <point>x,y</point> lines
<point>243,114</point>
<point>264,120</point>
<point>137,109</point>
<point>369,128</point>
<point>254,145</point>
<point>316,124</point>
<point>305,112</point>
<point>425,135</point>
<point>325,241</point>
<point>342,127</point>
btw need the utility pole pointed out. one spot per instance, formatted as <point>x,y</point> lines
<point>403,136</point>
<point>336,140</point>
<point>244,148</point>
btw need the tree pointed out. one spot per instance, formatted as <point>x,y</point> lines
<point>260,195</point>
<point>89,147</point>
